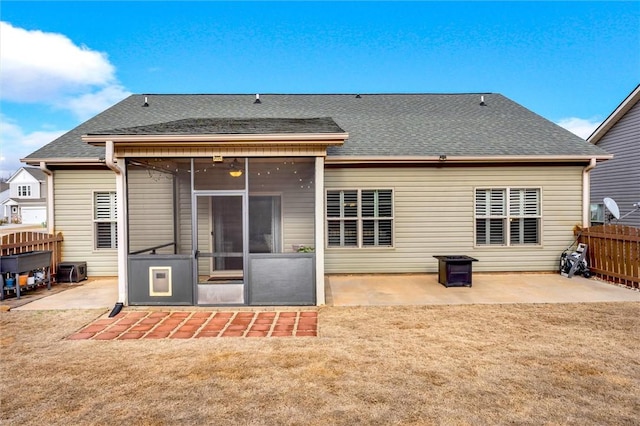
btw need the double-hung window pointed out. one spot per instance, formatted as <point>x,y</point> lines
<point>507,216</point>
<point>105,220</point>
<point>24,190</point>
<point>360,218</point>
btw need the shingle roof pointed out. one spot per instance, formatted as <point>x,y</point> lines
<point>227,126</point>
<point>5,196</point>
<point>36,173</point>
<point>378,124</point>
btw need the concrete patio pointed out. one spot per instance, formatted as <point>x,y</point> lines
<point>424,289</point>
<point>99,293</point>
<point>389,290</point>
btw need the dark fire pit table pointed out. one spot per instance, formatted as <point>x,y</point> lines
<point>455,271</point>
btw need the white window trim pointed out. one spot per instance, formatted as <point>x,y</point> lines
<point>94,221</point>
<point>359,219</point>
<point>26,188</point>
<point>507,218</point>
<point>600,211</point>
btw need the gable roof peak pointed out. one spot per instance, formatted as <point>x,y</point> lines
<point>628,103</point>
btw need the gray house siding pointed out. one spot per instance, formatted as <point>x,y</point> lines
<point>619,178</point>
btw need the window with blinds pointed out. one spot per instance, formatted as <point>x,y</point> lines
<point>507,216</point>
<point>105,220</point>
<point>360,218</point>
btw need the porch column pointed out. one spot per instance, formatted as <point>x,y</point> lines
<point>319,229</point>
<point>50,199</point>
<point>115,164</point>
<point>121,191</point>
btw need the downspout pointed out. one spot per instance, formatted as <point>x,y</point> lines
<point>122,260</point>
<point>586,192</point>
<point>109,160</point>
<point>50,200</point>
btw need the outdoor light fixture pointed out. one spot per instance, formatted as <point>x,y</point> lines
<point>234,169</point>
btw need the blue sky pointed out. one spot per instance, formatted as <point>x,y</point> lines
<point>63,62</point>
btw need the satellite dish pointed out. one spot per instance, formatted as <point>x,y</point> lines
<point>612,206</point>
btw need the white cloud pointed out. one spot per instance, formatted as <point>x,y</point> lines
<point>39,66</point>
<point>89,104</point>
<point>15,144</point>
<point>51,70</point>
<point>579,126</point>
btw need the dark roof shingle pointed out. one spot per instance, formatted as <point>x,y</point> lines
<point>228,126</point>
<point>378,124</point>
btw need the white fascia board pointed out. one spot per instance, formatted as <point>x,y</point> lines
<point>248,139</point>
<point>64,161</point>
<point>464,159</point>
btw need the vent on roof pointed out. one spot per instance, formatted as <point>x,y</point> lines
<point>146,102</point>
<point>482,103</point>
<point>257,101</point>
<point>358,96</point>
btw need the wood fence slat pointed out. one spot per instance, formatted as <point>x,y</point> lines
<point>627,270</point>
<point>613,252</point>
<point>22,242</point>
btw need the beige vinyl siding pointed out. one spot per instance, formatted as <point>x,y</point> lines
<point>434,215</point>
<point>205,228</point>
<point>73,198</point>
<point>298,218</point>
<point>150,209</point>
<point>294,182</point>
<point>184,214</point>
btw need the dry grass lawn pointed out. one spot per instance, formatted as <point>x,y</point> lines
<point>480,364</point>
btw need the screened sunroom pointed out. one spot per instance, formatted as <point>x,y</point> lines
<point>220,219</point>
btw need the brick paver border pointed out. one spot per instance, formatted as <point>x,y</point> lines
<point>133,325</point>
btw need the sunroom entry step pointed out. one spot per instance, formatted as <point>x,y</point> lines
<point>217,294</point>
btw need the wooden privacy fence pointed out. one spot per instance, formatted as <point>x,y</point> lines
<point>613,252</point>
<point>22,242</point>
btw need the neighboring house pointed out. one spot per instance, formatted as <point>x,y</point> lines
<point>27,202</point>
<point>618,178</point>
<point>225,189</point>
<point>5,208</point>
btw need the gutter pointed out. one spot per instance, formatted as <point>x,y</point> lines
<point>64,161</point>
<point>442,159</point>
<point>50,194</point>
<point>586,192</point>
<point>109,158</point>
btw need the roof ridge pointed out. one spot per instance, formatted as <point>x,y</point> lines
<point>322,94</point>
